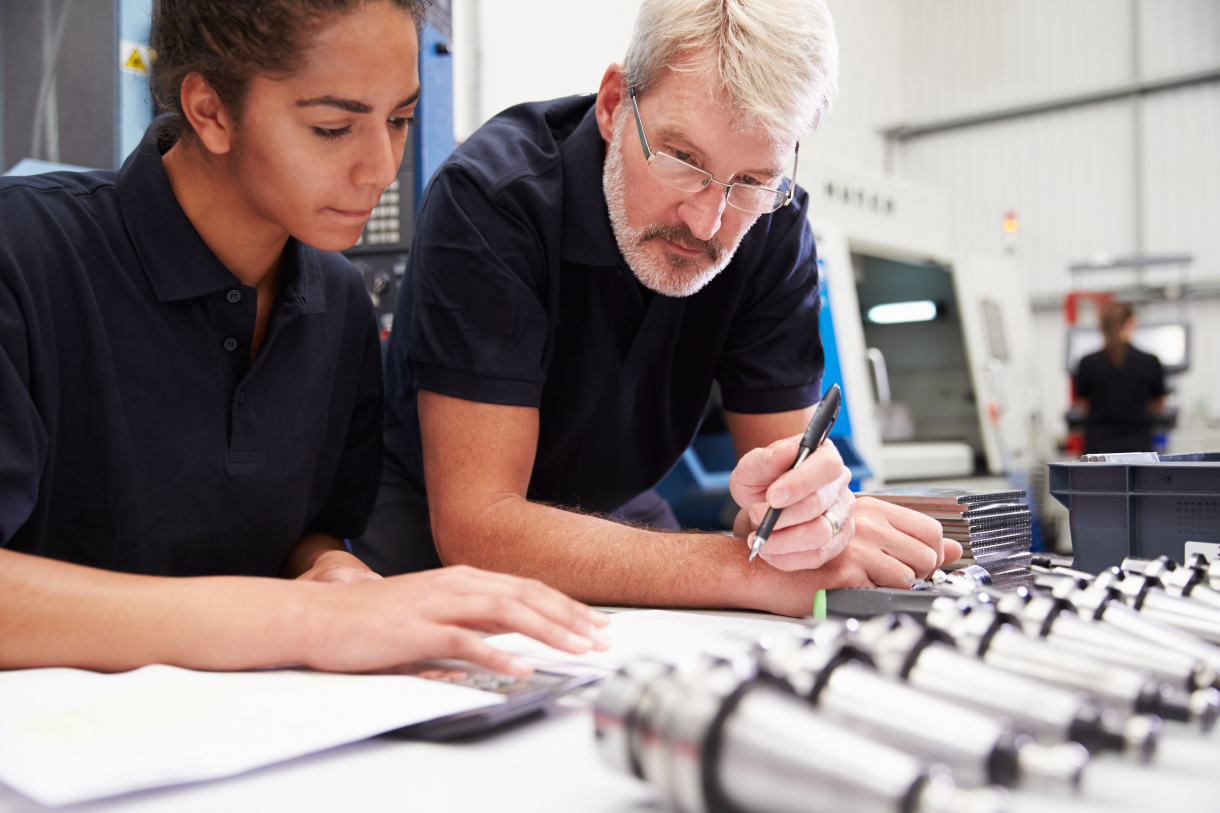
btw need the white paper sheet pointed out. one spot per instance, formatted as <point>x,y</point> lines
<point>68,735</point>
<point>674,637</point>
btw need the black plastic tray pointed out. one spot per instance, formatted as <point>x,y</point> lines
<point>1139,509</point>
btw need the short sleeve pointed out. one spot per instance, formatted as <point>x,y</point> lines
<point>23,435</point>
<point>772,360</point>
<point>1084,378</point>
<point>353,492</point>
<point>1156,378</point>
<point>478,326</point>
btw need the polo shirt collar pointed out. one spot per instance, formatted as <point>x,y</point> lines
<point>178,262</point>
<point>587,235</point>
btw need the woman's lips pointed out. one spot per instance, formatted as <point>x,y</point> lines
<point>354,214</point>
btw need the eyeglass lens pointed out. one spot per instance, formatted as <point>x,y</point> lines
<point>679,175</point>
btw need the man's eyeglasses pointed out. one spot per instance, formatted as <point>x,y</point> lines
<point>677,174</point>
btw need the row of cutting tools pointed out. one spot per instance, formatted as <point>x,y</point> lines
<point>995,690</point>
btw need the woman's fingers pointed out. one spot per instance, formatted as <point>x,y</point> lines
<point>546,601</point>
<point>499,614</point>
<point>468,646</point>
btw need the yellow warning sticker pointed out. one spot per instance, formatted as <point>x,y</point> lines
<point>134,57</point>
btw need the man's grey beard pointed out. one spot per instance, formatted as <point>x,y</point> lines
<point>669,274</point>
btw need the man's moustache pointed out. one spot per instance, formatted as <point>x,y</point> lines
<point>682,235</point>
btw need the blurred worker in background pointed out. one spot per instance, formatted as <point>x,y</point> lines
<point>582,271</point>
<point>1119,388</point>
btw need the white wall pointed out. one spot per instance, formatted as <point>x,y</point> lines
<point>530,50</point>
<point>1068,175</point>
<point>512,51</point>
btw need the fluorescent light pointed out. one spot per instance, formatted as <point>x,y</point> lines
<point>893,313</point>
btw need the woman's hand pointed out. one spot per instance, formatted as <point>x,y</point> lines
<point>375,624</point>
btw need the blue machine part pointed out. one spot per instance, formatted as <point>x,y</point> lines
<point>840,433</point>
<point>36,166</point>
<point>133,100</point>
<point>434,135</point>
<point>698,485</point>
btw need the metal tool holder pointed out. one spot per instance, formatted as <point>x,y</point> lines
<point>982,631</point>
<point>714,739</point>
<point>997,688</point>
<point>927,659</point>
<point>838,678</point>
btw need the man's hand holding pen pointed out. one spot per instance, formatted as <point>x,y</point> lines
<point>804,536</point>
<point>875,544</point>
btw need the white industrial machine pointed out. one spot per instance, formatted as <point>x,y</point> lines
<point>956,388</point>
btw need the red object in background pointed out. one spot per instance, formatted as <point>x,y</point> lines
<point>1074,444</point>
<point>1071,303</point>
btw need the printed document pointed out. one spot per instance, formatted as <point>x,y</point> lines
<point>69,735</point>
<point>674,637</point>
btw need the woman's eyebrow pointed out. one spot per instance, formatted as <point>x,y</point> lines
<point>352,105</point>
<point>346,105</point>
<point>410,100</point>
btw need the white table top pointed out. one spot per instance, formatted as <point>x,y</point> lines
<point>551,765</point>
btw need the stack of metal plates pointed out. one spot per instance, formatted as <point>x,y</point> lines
<point>993,528</point>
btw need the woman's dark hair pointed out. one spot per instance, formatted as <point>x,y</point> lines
<point>1114,317</point>
<point>229,42</point>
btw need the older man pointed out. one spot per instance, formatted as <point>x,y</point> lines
<point>583,270</point>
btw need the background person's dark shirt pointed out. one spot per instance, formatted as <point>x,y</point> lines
<point>135,433</point>
<point>517,294</point>
<point>1118,419</point>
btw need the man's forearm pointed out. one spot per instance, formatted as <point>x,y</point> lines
<point>57,613</point>
<point>603,562</point>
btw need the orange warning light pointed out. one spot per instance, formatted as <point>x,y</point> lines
<point>1010,223</point>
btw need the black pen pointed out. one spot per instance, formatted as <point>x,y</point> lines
<point>819,428</point>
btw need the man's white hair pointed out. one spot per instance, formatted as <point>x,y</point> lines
<point>775,62</point>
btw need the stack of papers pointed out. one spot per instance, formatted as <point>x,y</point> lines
<point>68,735</point>
<point>994,528</point>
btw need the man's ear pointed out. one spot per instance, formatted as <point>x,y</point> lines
<point>611,96</point>
<point>207,114</point>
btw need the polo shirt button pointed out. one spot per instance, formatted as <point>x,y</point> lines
<point>234,295</point>
<point>241,398</point>
<point>230,345</point>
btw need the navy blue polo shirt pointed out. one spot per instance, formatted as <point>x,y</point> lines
<point>518,295</point>
<point>135,433</point>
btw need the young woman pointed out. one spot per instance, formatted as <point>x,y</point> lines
<point>190,381</point>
